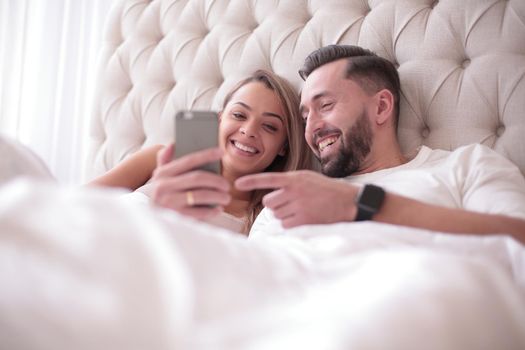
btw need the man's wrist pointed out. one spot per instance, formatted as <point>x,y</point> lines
<point>368,202</point>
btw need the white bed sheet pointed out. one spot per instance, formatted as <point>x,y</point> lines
<point>85,268</point>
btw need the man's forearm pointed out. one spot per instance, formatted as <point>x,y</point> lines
<point>404,211</point>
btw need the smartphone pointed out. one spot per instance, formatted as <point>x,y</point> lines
<point>195,131</point>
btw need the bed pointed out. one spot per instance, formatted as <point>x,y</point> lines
<point>90,269</point>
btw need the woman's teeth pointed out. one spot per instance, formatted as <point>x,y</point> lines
<point>326,142</point>
<point>244,147</point>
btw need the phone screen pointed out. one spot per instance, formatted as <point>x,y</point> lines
<point>195,131</point>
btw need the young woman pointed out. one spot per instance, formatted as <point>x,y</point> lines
<point>260,129</point>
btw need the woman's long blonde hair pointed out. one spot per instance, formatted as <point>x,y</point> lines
<point>298,155</point>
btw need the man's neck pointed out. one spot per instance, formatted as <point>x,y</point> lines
<point>381,157</point>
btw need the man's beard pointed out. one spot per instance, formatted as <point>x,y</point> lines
<point>351,155</point>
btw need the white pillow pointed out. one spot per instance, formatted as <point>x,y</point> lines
<point>17,160</point>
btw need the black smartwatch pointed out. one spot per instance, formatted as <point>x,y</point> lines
<point>369,201</point>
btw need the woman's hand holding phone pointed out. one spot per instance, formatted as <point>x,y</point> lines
<point>178,184</point>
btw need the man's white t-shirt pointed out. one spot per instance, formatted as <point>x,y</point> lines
<point>472,177</point>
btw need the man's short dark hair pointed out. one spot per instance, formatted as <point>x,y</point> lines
<point>372,72</point>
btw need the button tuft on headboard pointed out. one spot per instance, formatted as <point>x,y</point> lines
<point>461,67</point>
<point>500,130</point>
<point>425,132</point>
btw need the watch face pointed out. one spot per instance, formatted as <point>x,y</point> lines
<point>371,198</point>
<point>369,202</point>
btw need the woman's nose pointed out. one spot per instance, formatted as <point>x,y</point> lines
<point>248,130</point>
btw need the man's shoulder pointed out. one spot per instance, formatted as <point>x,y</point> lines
<point>465,153</point>
<point>474,148</point>
<point>476,159</point>
<point>265,223</point>
<point>464,158</point>
<point>477,152</point>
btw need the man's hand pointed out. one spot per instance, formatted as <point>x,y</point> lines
<point>304,197</point>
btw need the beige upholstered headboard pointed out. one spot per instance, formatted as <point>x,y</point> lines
<point>461,62</point>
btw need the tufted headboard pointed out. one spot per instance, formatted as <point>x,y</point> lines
<point>461,63</point>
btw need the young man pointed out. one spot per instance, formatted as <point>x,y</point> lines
<point>350,103</point>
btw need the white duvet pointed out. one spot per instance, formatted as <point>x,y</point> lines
<point>88,269</point>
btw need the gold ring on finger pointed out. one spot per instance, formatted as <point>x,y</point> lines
<point>190,201</point>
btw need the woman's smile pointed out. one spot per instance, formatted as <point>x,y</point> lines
<point>244,149</point>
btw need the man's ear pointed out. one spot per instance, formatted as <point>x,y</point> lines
<point>385,106</point>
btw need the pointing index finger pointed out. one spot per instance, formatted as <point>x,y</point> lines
<point>262,181</point>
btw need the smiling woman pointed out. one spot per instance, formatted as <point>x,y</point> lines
<point>253,130</point>
<point>260,130</point>
<point>49,52</point>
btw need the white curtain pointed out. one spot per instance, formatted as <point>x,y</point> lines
<point>48,57</point>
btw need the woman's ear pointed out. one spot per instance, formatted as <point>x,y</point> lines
<point>385,106</point>
<point>219,115</point>
<point>283,150</point>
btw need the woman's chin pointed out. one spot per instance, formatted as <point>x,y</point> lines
<point>236,169</point>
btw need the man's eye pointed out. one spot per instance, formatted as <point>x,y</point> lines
<point>327,105</point>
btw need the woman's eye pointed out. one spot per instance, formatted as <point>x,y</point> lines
<point>270,127</point>
<point>238,116</point>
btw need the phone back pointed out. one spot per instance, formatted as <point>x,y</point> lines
<point>195,131</point>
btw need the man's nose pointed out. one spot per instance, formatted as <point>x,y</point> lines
<point>314,122</point>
